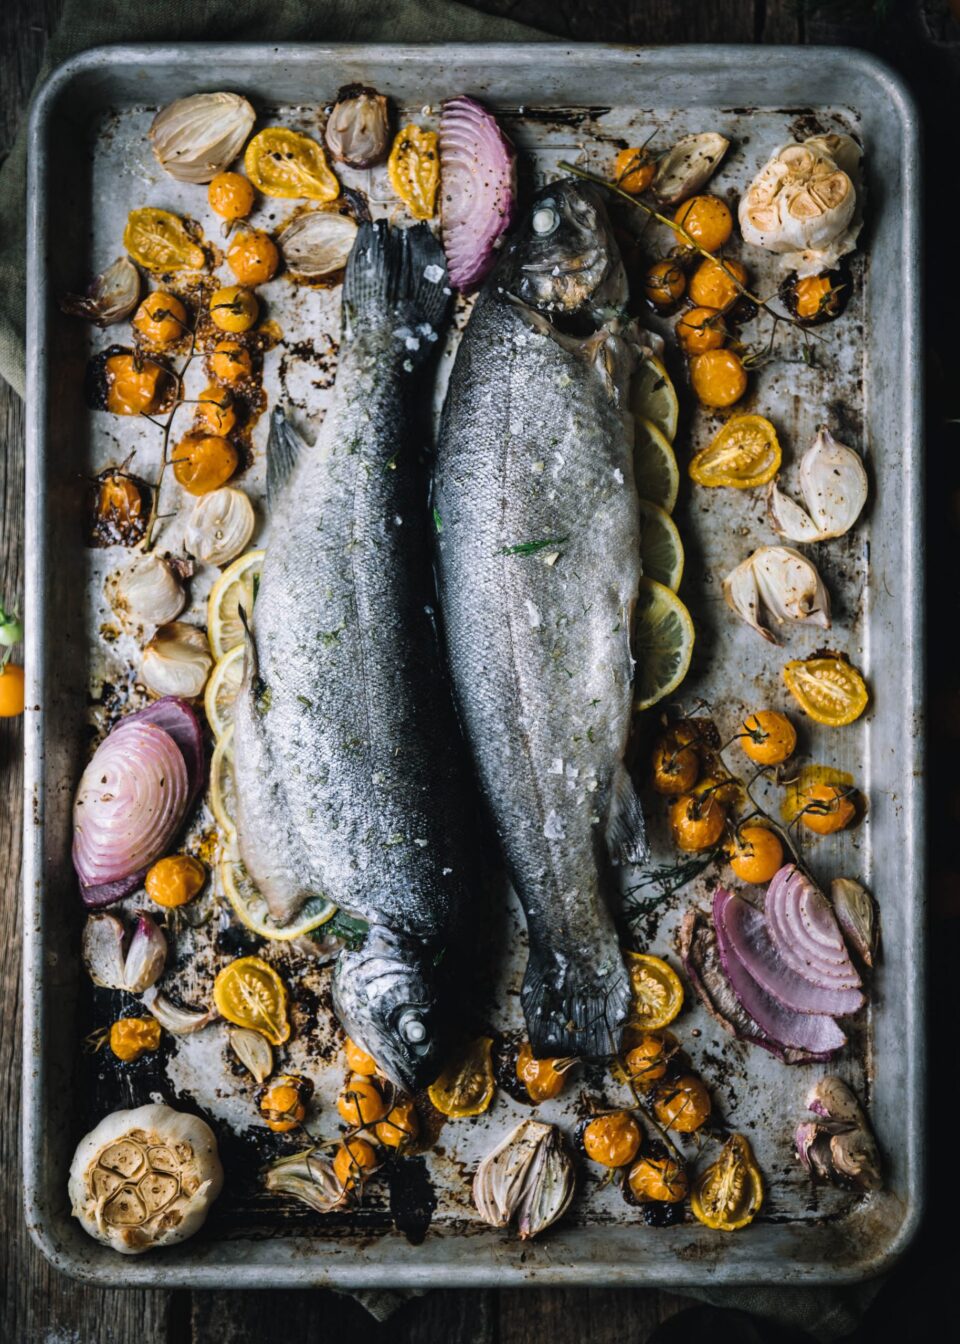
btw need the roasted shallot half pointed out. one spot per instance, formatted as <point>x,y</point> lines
<point>833,483</point>
<point>317,244</point>
<point>177,661</point>
<point>688,166</point>
<point>839,1145</point>
<point>112,963</point>
<point>358,128</point>
<point>803,203</point>
<point>110,298</point>
<point>148,591</point>
<point>220,526</point>
<point>528,1180</point>
<point>779,584</point>
<point>309,1178</point>
<point>197,137</point>
<point>145,1178</point>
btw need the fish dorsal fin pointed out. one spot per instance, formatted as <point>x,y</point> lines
<point>284,448</point>
<point>626,828</point>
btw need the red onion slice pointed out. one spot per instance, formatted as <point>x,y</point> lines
<point>95,898</point>
<point>129,805</point>
<point>478,189</point>
<point>747,933</point>
<point>177,718</point>
<point>816,1033</point>
<point>805,931</point>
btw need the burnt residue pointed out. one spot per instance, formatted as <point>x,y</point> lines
<point>412,1197</point>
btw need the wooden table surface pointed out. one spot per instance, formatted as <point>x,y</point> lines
<point>38,1306</point>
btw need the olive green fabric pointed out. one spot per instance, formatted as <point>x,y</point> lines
<point>94,23</point>
<point>828,1314</point>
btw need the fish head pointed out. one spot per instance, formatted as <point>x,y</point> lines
<point>564,257</point>
<point>385,998</point>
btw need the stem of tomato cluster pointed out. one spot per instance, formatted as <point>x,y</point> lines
<point>179,401</point>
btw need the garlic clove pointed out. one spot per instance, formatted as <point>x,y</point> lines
<point>146,956</point>
<point>110,298</point>
<point>145,1178</point>
<point>779,583</point>
<point>528,1179</point>
<point>220,526</point>
<point>688,166</point>
<point>147,591</point>
<point>839,1145</point>
<point>178,1021</point>
<point>102,950</point>
<point>317,244</point>
<point>358,129</point>
<point>197,137</point>
<point>308,1178</point>
<point>177,661</point>
<point>253,1051</point>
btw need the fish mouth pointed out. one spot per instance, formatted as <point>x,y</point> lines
<point>586,263</point>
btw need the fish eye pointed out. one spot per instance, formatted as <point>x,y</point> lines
<point>544,219</point>
<point>412,1028</point>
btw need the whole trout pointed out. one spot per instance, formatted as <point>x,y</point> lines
<point>539,564</point>
<point>347,750</point>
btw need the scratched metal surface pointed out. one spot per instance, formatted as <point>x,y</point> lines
<point>555,106</point>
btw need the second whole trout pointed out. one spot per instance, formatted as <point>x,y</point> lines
<point>347,751</point>
<point>539,565</point>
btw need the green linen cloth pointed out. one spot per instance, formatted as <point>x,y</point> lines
<point>828,1314</point>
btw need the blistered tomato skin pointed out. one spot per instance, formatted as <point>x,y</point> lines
<point>231,362</point>
<point>696,823</point>
<point>283,1102</point>
<point>664,284</point>
<point>768,737</point>
<point>633,170</point>
<point>354,1160</point>
<point>358,1061</point>
<point>253,257</point>
<point>204,462</point>
<point>161,320</point>
<point>711,285</point>
<point>755,854</point>
<point>827,808</point>
<point>683,1105</point>
<point>676,762</point>
<point>647,1061</point>
<point>658,1178</point>
<point>132,1037</point>
<point>175,880</point>
<point>233,308</point>
<point>700,329</point>
<point>706,219</point>
<point>230,196</point>
<point>718,377</point>
<point>215,412</point>
<point>612,1140</point>
<point>540,1077</point>
<point>400,1126</point>
<point>361,1103</point>
<point>134,386</point>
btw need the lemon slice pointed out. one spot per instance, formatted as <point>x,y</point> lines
<point>220,696</point>
<point>223,789</point>
<point>660,546</point>
<point>250,906</point>
<point>745,453</point>
<point>655,466</point>
<point>235,588</point>
<point>653,397</point>
<point>663,639</point>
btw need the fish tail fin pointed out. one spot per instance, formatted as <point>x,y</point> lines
<point>399,275</point>
<point>626,828</point>
<point>574,1012</point>
<point>284,448</point>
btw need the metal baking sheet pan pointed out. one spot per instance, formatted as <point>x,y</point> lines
<point>89,164</point>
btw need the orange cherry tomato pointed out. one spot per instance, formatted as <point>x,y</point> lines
<point>768,737</point>
<point>826,808</point>
<point>231,195</point>
<point>697,822</point>
<point>161,320</point>
<point>664,283</point>
<point>253,257</point>
<point>231,362</point>
<point>683,1105</point>
<point>400,1126</point>
<point>699,330</point>
<point>354,1160</point>
<point>11,690</point>
<point>541,1078</point>
<point>175,880</point>
<point>718,377</point>
<point>358,1061</point>
<point>612,1140</point>
<point>134,387</point>
<point>712,287</point>
<point>676,762</point>
<point>361,1103</point>
<point>755,854</point>
<point>204,462</point>
<point>215,411</point>
<point>633,170</point>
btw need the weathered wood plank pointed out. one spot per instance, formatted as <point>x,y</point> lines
<point>571,1315</point>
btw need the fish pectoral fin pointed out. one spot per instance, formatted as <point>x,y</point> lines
<point>252,680</point>
<point>626,832</point>
<point>284,449</point>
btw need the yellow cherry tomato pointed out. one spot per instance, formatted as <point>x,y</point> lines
<point>249,993</point>
<point>744,453</point>
<point>284,163</point>
<point>633,170</point>
<point>676,762</point>
<point>657,991</point>
<point>755,854</point>
<point>231,362</point>
<point>233,308</point>
<point>400,1126</point>
<point>11,690</point>
<point>830,690</point>
<point>161,320</point>
<point>414,170</point>
<point>135,386</point>
<point>697,822</point>
<point>650,1053</point>
<point>664,283</point>
<point>253,257</point>
<point>283,1102</point>
<point>727,1195</point>
<point>215,412</point>
<point>353,1162</point>
<point>204,462</point>
<point>706,219</point>
<point>612,1140</point>
<point>768,737</point>
<point>132,1037</point>
<point>682,1104</point>
<point>541,1077</point>
<point>712,285</point>
<point>467,1084</point>
<point>718,377</point>
<point>361,1102</point>
<point>826,808</point>
<point>658,1178</point>
<point>700,329</point>
<point>358,1061</point>
<point>159,241</point>
<point>175,880</point>
<point>230,196</point>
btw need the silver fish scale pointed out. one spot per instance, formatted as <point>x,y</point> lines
<point>350,734</point>
<point>533,449</point>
